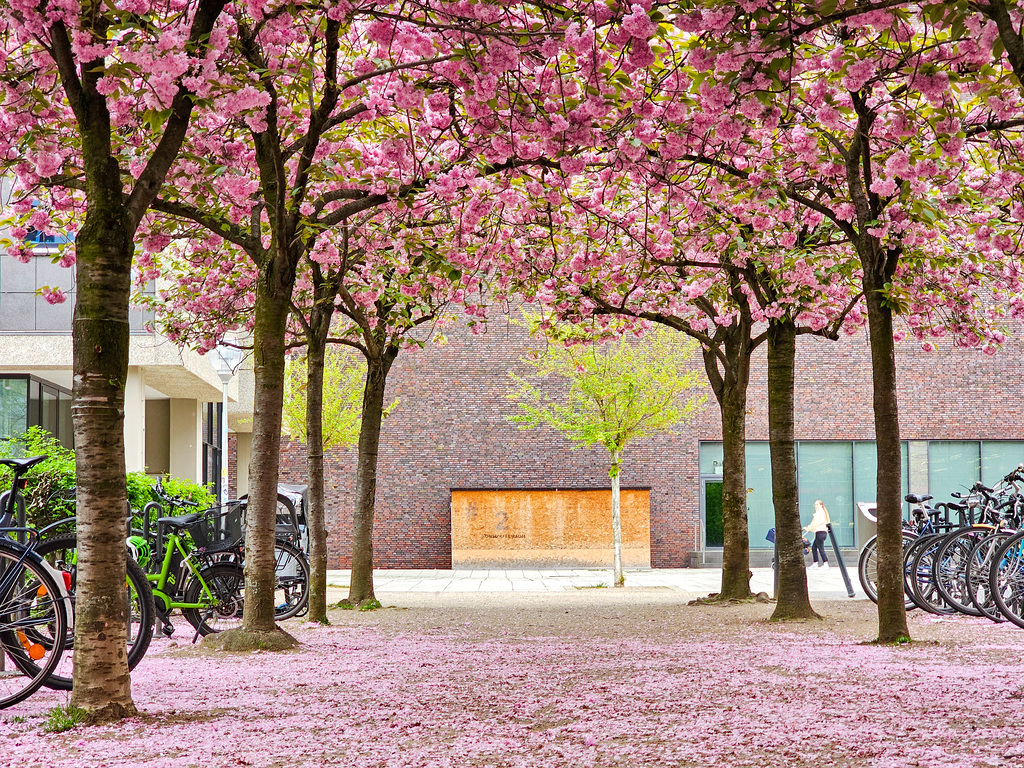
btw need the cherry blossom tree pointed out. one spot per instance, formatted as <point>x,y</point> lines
<point>95,101</point>
<point>872,121</point>
<point>452,103</point>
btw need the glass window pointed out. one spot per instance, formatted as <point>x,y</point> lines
<point>66,427</point>
<point>865,473</point>
<point>953,465</point>
<point>49,415</point>
<point>999,458</point>
<point>13,406</point>
<point>760,508</point>
<point>211,447</point>
<point>33,402</point>
<point>711,458</point>
<point>825,472</point>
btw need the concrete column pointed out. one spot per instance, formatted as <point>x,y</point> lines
<point>135,420</point>
<point>917,451</point>
<point>243,452</point>
<point>186,439</point>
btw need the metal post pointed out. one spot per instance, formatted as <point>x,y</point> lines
<point>775,575</point>
<point>224,441</point>
<point>839,559</point>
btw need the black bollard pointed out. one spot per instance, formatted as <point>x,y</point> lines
<point>839,559</point>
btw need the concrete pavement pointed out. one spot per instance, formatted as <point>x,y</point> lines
<point>693,582</point>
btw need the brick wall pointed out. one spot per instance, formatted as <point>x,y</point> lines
<point>449,431</point>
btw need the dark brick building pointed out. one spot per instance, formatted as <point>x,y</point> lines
<point>960,417</point>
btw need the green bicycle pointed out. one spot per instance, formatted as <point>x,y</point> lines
<point>192,575</point>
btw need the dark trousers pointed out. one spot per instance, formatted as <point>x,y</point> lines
<point>818,547</point>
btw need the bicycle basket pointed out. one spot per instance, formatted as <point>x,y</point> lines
<point>217,529</point>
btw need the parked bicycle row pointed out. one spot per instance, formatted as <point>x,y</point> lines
<point>963,556</point>
<point>190,562</point>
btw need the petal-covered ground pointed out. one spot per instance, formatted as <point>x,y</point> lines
<point>607,678</point>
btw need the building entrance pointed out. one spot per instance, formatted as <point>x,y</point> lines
<point>711,519</point>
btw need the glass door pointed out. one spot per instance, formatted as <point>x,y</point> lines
<point>711,512</point>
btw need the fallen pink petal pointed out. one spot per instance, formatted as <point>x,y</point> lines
<point>631,678</point>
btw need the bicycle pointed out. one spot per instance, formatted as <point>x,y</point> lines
<point>1006,578</point>
<point>34,607</point>
<point>867,561</point>
<point>192,577</point>
<point>61,552</point>
<point>957,576</point>
<point>291,587</point>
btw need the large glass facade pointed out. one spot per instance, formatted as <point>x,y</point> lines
<point>953,465</point>
<point>26,401</point>
<point>760,509</point>
<point>865,473</point>
<point>999,458</point>
<point>825,473</point>
<point>839,473</point>
<point>842,473</point>
<point>13,406</point>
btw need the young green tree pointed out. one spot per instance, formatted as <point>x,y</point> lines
<point>613,394</point>
<point>343,376</point>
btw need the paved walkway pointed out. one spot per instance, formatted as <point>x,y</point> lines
<point>694,582</point>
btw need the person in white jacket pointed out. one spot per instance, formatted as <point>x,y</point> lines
<point>819,527</point>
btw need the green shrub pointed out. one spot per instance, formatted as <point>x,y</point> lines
<point>50,489</point>
<point>47,496</point>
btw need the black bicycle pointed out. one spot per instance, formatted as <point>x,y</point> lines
<point>35,608</point>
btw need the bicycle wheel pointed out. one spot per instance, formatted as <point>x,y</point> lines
<point>291,589</point>
<point>226,598</point>
<point>61,553</point>
<point>922,580</point>
<point>1007,579</point>
<point>951,561</point>
<point>909,577</point>
<point>867,568</point>
<point>33,624</point>
<point>979,566</point>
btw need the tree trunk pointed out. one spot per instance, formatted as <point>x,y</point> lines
<point>892,613</point>
<point>273,293</point>
<point>733,405</point>
<point>100,333</point>
<point>316,346</point>
<point>361,583</point>
<point>619,576</point>
<point>793,600</point>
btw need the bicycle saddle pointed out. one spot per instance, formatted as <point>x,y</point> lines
<point>913,498</point>
<point>22,464</point>
<point>179,521</point>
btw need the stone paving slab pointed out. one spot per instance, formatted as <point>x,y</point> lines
<point>695,582</point>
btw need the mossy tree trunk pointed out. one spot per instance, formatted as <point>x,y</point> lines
<point>100,336</point>
<point>878,265</point>
<point>892,613</point>
<point>728,368</point>
<point>377,367</point>
<point>316,350</point>
<point>793,600</point>
<point>273,296</point>
<point>283,190</point>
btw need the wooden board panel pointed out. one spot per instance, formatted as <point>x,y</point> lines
<point>550,528</point>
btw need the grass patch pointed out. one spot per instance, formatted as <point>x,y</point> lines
<point>370,605</point>
<point>601,585</point>
<point>60,719</point>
